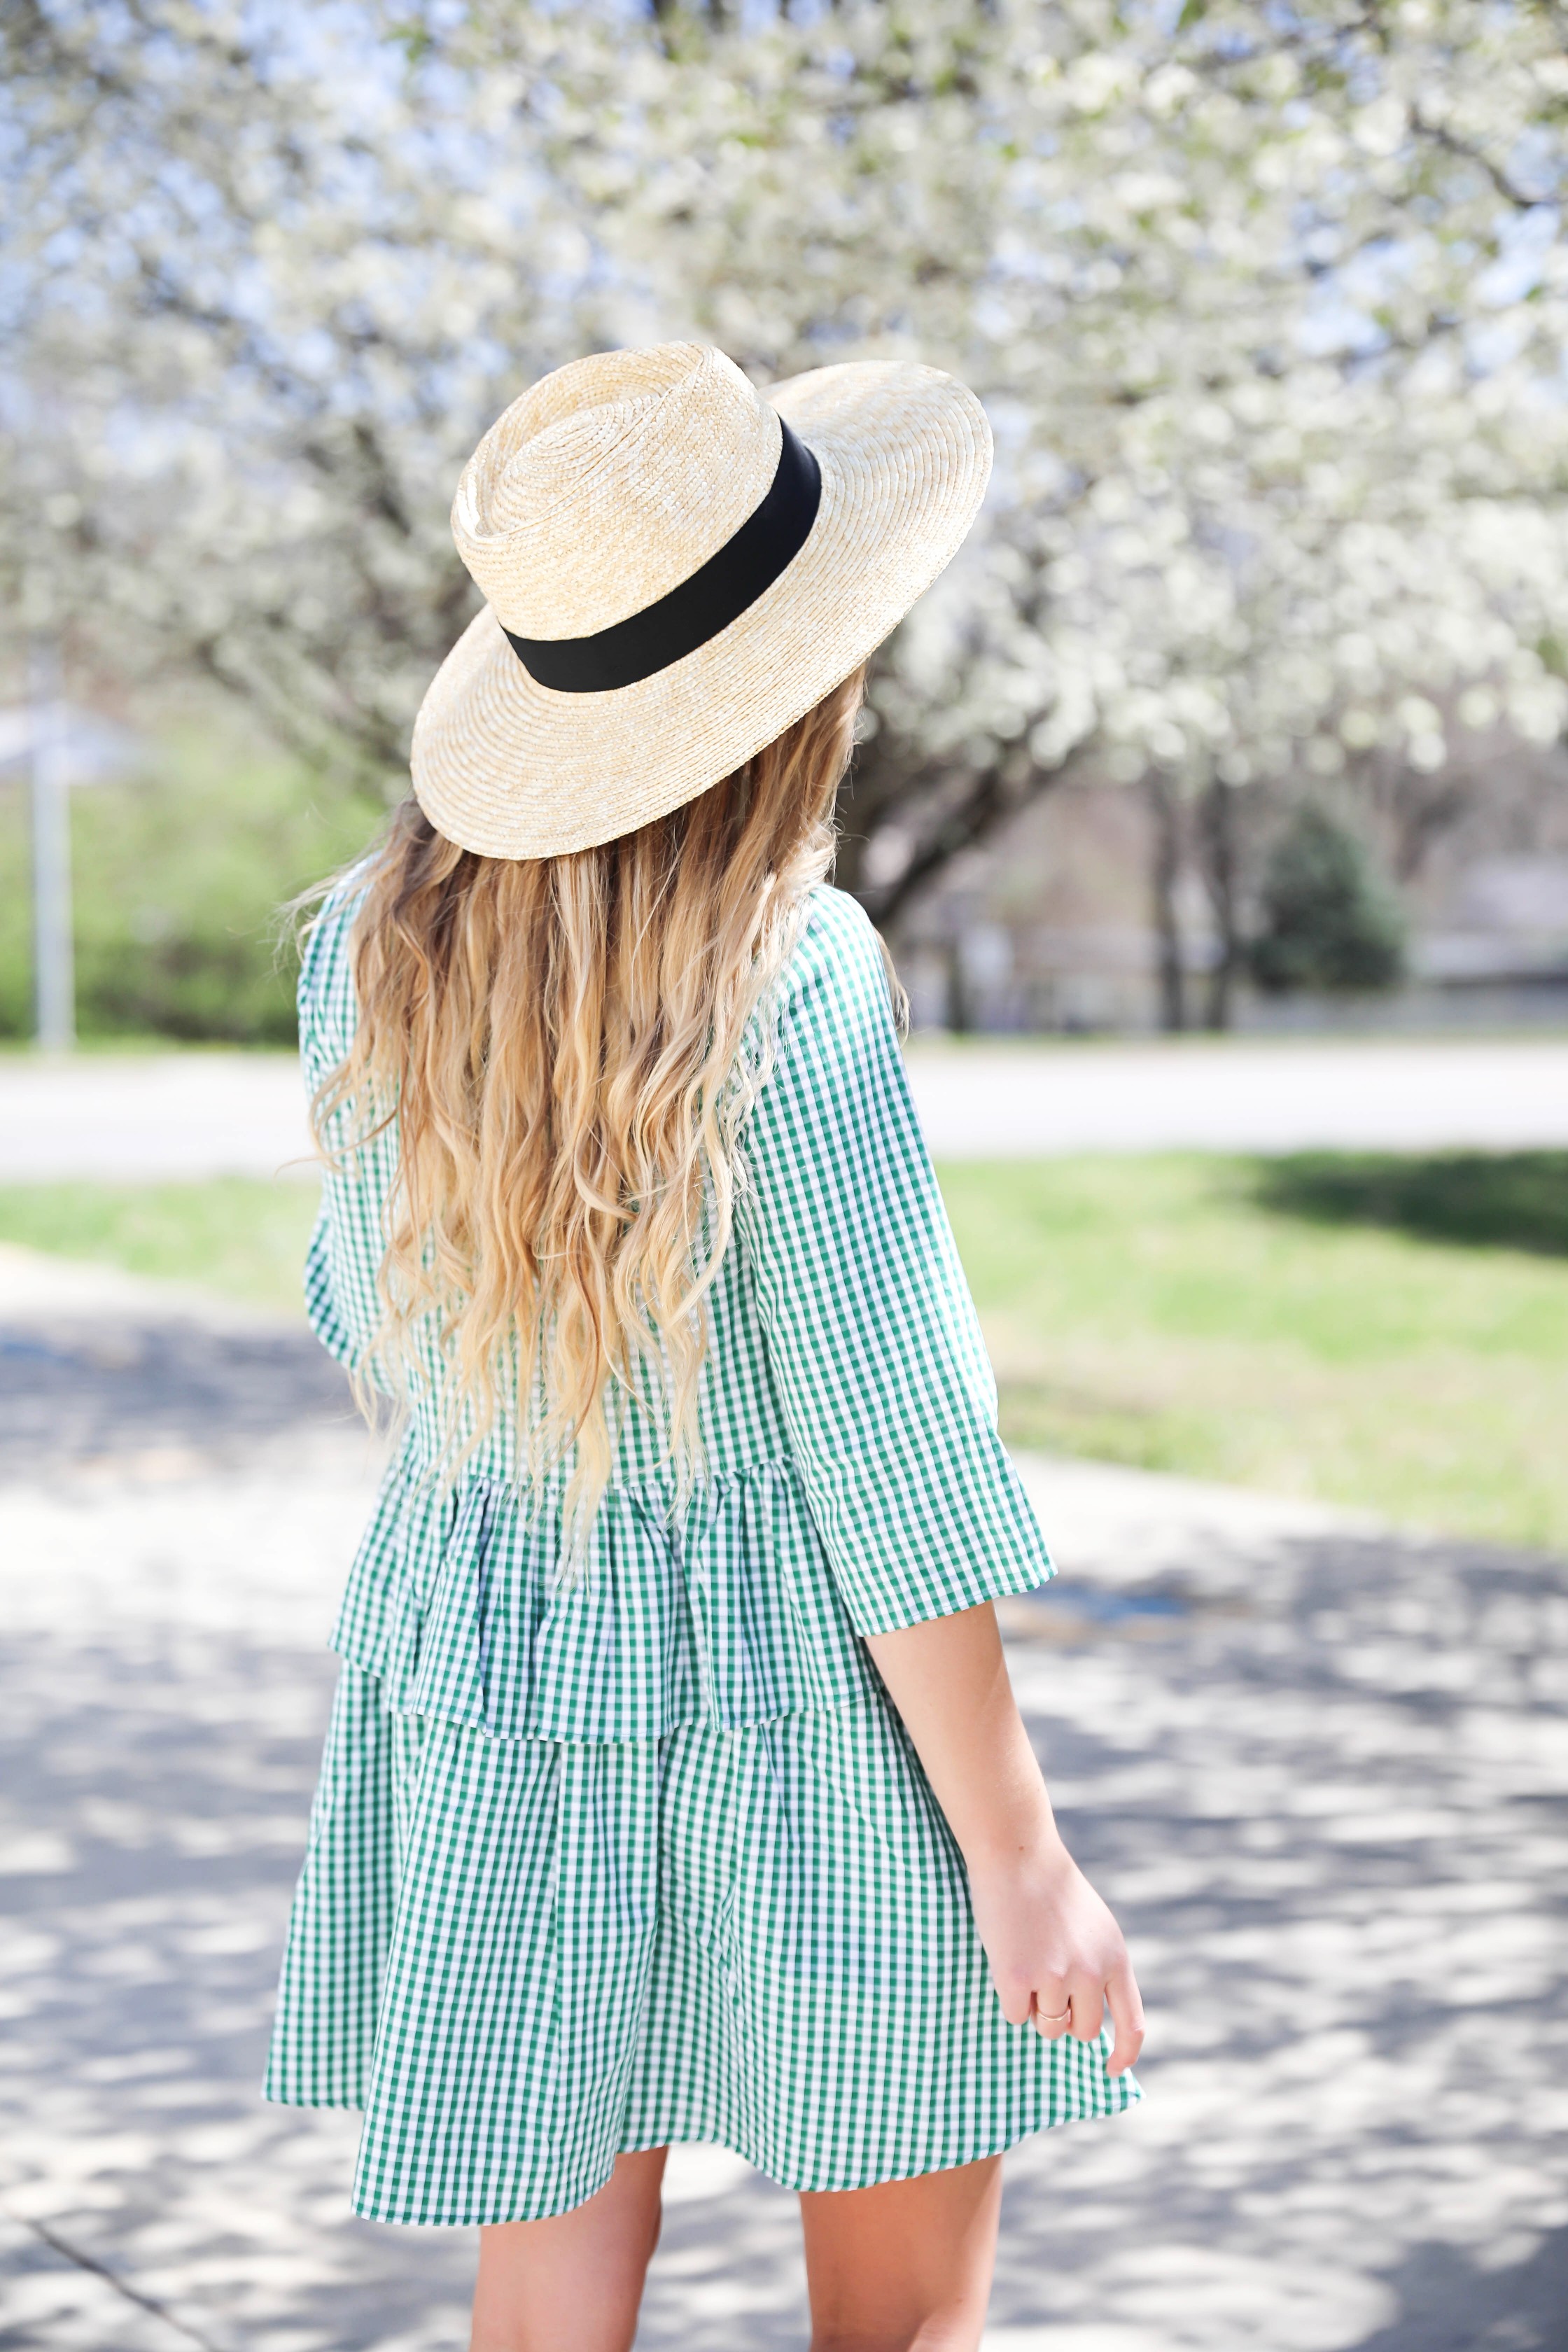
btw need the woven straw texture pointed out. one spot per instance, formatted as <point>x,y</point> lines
<point>608,484</point>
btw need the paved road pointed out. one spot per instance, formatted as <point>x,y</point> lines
<point>1241,1096</point>
<point>1318,1768</point>
<point>151,1116</point>
<point>214,1114</point>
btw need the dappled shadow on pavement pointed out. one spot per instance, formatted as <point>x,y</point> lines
<point>1446,2303</point>
<point>1318,1772</point>
<point>1328,1809</point>
<point>161,1785</point>
<point>98,1369</point>
<point>71,1395</point>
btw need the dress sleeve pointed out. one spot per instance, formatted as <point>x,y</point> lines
<point>344,1258</point>
<point>320,1301</point>
<point>872,1339</point>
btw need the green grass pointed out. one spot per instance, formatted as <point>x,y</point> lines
<point>179,874</point>
<point>1389,1333</point>
<point>244,1237</point>
<point>1273,1324</point>
<point>1517,1200</point>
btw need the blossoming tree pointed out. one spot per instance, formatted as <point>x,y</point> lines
<point>1268,309</point>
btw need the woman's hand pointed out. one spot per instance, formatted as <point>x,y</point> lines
<point>1057,1955</point>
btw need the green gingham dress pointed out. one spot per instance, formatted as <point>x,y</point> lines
<point>646,1855</point>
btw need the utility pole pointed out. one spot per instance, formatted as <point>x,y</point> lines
<point>54,957</point>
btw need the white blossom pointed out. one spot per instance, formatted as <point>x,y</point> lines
<point>1269,310</point>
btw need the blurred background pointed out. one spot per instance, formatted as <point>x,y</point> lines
<point>1215,806</point>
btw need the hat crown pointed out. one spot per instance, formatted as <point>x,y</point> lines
<point>608,483</point>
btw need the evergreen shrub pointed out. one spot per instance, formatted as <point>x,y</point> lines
<point>1329,919</point>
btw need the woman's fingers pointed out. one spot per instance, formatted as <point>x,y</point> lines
<point>1015,1995</point>
<point>1052,2013</point>
<point>1126,2016</point>
<point>1088,2009</point>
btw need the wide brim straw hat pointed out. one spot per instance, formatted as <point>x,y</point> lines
<point>676,567</point>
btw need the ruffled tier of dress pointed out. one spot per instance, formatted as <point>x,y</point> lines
<point>723,1610</point>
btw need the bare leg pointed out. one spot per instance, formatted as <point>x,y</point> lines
<point>905,2267</point>
<point>572,2283</point>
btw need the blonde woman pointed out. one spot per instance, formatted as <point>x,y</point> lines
<point>674,1789</point>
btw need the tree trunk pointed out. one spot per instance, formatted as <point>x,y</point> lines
<point>1164,806</point>
<point>1217,833</point>
<point>960,1020</point>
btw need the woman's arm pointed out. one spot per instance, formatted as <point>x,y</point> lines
<point>1056,1955</point>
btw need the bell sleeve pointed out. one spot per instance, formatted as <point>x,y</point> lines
<point>344,1258</point>
<point>873,1344</point>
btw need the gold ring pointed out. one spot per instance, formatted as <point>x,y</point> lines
<point>1061,2018</point>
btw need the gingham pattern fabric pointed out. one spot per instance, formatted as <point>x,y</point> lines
<point>760,1937</point>
<point>646,1855</point>
<point>854,1480</point>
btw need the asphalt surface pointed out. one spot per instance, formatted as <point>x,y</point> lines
<point>204,1114</point>
<point>1318,1768</point>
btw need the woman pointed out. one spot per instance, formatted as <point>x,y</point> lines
<point>674,1789</point>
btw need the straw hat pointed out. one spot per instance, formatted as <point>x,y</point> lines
<point>676,567</point>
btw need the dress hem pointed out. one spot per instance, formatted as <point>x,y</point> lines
<point>546,2210</point>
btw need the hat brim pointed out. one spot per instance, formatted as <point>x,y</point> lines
<point>509,768</point>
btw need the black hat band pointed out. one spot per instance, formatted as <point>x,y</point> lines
<point>716,593</point>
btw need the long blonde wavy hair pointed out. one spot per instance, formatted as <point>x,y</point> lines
<point>561,1044</point>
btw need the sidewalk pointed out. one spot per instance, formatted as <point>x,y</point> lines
<point>134,1117</point>
<point>1318,1768</point>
